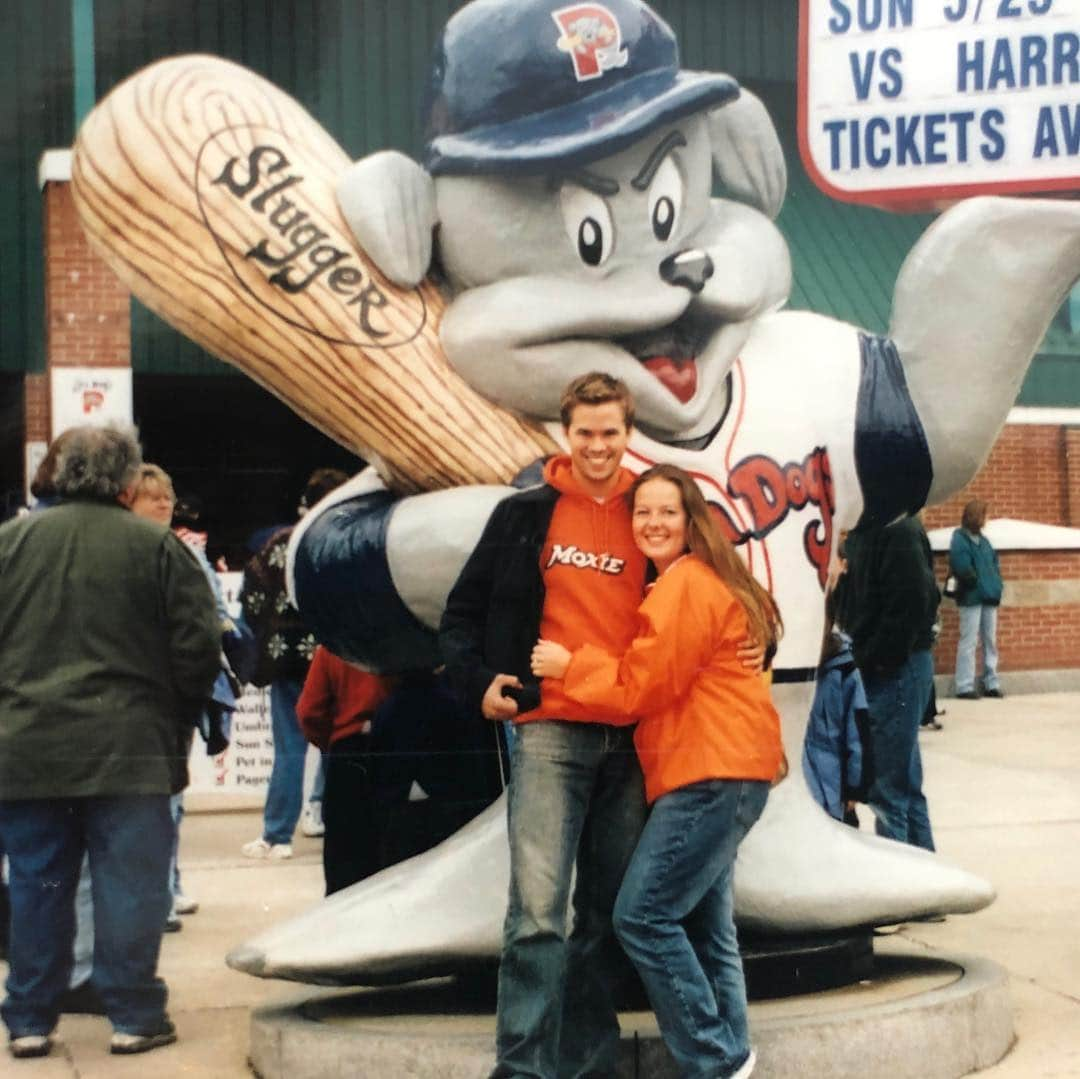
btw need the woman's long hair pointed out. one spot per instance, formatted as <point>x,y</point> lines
<point>974,516</point>
<point>706,543</point>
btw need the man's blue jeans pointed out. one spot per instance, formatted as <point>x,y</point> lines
<point>285,794</point>
<point>128,839</point>
<point>675,919</point>
<point>976,623</point>
<point>576,792</point>
<point>896,702</point>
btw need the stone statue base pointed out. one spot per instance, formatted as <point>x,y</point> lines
<point>931,1017</point>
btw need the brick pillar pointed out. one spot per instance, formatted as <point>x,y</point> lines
<point>87,309</point>
<point>36,405</point>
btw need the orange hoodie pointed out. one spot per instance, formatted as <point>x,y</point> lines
<point>703,715</point>
<point>594,578</point>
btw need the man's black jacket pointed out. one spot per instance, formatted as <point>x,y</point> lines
<point>889,598</point>
<point>492,616</point>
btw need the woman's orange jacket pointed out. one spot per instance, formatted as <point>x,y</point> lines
<point>702,715</point>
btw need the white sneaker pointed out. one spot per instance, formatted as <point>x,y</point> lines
<point>747,1067</point>
<point>126,1044</point>
<point>30,1045</point>
<point>183,904</point>
<point>259,848</point>
<point>311,824</point>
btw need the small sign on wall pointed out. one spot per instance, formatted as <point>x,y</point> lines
<point>909,101</point>
<point>90,395</point>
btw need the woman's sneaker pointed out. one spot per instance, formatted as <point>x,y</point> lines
<point>259,848</point>
<point>124,1044</point>
<point>30,1045</point>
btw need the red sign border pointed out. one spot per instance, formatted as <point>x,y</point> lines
<point>894,197</point>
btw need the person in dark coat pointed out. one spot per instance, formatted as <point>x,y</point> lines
<point>285,647</point>
<point>888,606</point>
<point>109,645</point>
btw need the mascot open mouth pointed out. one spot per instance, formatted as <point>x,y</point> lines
<point>678,375</point>
<point>670,353</point>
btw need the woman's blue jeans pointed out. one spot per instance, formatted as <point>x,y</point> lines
<point>977,624</point>
<point>128,839</point>
<point>675,919</point>
<point>576,793</point>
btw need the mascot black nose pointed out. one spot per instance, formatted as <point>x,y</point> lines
<point>690,269</point>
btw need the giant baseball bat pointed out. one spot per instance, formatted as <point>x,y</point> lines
<point>211,194</point>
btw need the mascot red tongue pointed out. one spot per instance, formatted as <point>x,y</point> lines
<point>679,376</point>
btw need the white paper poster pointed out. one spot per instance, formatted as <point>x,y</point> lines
<point>90,395</point>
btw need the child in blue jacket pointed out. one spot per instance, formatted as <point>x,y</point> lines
<point>836,751</point>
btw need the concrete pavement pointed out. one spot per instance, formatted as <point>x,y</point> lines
<point>1003,779</point>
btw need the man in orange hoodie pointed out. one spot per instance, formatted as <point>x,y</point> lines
<point>558,561</point>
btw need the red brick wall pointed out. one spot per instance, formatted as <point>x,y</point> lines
<point>87,309</point>
<point>1043,637</point>
<point>1032,474</point>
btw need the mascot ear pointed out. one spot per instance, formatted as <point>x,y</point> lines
<point>389,202</point>
<point>746,153</point>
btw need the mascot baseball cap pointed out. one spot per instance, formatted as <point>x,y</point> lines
<point>519,85</point>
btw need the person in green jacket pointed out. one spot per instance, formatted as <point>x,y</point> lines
<point>974,563</point>
<point>109,645</point>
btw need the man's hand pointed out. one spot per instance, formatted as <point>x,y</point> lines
<point>782,771</point>
<point>549,659</point>
<point>495,705</point>
<point>751,654</point>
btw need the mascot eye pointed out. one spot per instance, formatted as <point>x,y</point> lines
<point>588,224</point>
<point>665,199</point>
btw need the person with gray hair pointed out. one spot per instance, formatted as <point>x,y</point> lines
<point>109,644</point>
<point>98,463</point>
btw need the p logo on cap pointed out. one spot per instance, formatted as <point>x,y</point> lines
<point>591,35</point>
